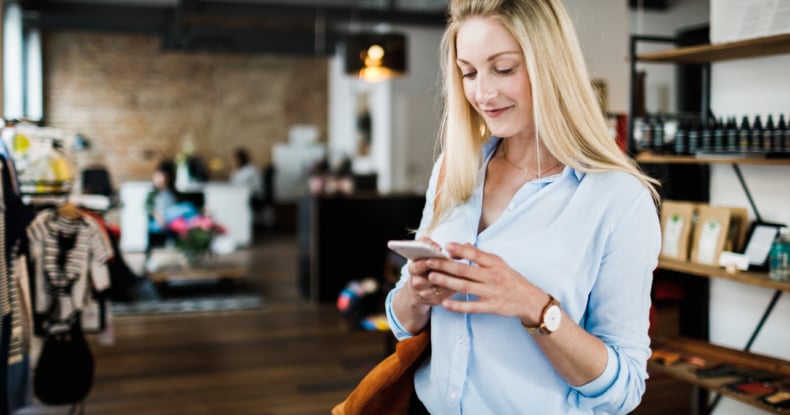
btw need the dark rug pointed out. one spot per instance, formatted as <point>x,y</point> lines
<point>189,297</point>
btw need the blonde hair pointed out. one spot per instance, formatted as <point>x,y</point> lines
<point>568,119</point>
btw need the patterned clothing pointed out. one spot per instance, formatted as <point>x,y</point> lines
<point>14,218</point>
<point>5,305</point>
<point>69,258</point>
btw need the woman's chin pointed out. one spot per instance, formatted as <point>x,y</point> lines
<point>501,132</point>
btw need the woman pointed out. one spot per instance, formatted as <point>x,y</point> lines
<point>553,231</point>
<point>162,197</point>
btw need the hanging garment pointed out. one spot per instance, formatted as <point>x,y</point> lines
<point>5,304</point>
<point>8,163</point>
<point>69,257</point>
<point>124,283</point>
<point>14,218</point>
<point>20,385</point>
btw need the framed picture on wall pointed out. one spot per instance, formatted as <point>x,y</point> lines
<point>758,244</point>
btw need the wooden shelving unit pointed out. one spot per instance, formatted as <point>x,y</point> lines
<point>686,372</point>
<point>704,55</point>
<point>647,157</point>
<point>760,279</point>
<point>750,48</point>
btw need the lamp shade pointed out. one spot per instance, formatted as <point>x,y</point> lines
<point>375,56</point>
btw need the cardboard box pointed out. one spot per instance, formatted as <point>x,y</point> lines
<point>710,234</point>
<point>677,224</point>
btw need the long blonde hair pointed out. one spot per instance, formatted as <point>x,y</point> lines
<point>568,119</point>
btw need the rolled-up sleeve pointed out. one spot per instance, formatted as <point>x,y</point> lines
<point>618,310</point>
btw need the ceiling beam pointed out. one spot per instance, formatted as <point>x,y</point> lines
<point>224,26</point>
<point>48,14</point>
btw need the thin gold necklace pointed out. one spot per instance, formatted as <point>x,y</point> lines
<point>523,170</point>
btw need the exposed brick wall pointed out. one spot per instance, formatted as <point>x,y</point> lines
<point>137,103</point>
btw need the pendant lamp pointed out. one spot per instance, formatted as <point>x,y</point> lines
<point>375,56</point>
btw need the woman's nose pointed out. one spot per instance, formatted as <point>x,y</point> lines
<point>485,91</point>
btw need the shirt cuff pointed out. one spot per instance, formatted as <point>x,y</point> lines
<point>397,329</point>
<point>602,383</point>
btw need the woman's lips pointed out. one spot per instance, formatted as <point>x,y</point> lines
<point>495,112</point>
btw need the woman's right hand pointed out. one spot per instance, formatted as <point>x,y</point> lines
<point>421,290</point>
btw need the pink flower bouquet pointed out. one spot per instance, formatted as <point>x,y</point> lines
<point>195,235</point>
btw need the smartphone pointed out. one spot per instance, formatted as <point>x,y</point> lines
<point>416,249</point>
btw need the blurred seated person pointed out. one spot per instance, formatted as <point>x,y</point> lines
<point>164,204</point>
<point>162,197</point>
<point>245,173</point>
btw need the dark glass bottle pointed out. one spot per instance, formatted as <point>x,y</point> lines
<point>779,142</point>
<point>646,143</point>
<point>658,134</point>
<point>744,135</point>
<point>706,135</point>
<point>757,135</point>
<point>681,137</point>
<point>719,134</point>
<point>693,137</point>
<point>732,143</point>
<point>768,134</point>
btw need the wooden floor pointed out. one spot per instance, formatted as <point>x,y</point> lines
<point>289,358</point>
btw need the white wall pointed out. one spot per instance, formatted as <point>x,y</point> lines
<point>660,80</point>
<point>417,112</point>
<point>749,87</point>
<point>749,19</point>
<point>602,28</point>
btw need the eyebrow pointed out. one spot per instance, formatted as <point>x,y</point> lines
<point>490,58</point>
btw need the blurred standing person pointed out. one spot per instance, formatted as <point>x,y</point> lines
<point>245,173</point>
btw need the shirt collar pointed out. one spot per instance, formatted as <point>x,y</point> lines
<point>493,141</point>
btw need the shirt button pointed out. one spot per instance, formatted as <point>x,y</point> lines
<point>461,340</point>
<point>511,206</point>
<point>453,395</point>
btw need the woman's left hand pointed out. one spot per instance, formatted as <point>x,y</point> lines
<point>499,288</point>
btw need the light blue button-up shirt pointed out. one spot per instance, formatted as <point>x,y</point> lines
<point>590,240</point>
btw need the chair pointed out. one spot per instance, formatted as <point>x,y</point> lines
<point>96,181</point>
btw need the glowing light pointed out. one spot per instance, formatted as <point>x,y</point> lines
<point>375,73</point>
<point>375,57</point>
<point>376,52</point>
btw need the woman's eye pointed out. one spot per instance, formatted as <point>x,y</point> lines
<point>504,71</point>
<point>469,75</point>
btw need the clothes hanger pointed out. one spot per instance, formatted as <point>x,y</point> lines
<point>69,210</point>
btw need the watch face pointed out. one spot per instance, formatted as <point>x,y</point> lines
<point>552,318</point>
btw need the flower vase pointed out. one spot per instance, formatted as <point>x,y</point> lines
<point>194,238</point>
<point>192,260</point>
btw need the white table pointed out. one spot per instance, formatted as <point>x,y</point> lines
<point>228,204</point>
